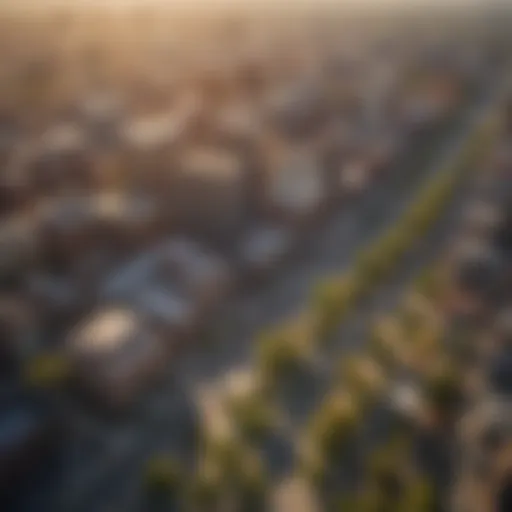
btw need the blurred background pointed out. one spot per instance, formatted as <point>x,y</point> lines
<point>255,256</point>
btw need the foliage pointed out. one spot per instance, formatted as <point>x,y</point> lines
<point>335,424</point>
<point>419,496</point>
<point>362,376</point>
<point>252,415</point>
<point>163,474</point>
<point>252,484</point>
<point>205,491</point>
<point>47,370</point>
<point>331,302</point>
<point>278,354</point>
<point>443,389</point>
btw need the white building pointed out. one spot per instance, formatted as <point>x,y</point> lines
<point>116,356</point>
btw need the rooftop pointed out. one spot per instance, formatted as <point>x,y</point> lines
<point>106,331</point>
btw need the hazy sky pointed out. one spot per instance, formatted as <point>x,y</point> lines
<point>236,2</point>
<point>32,6</point>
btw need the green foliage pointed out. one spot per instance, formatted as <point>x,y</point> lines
<point>47,370</point>
<point>225,455</point>
<point>330,302</point>
<point>163,475</point>
<point>334,426</point>
<point>205,491</point>
<point>253,415</point>
<point>419,496</point>
<point>363,377</point>
<point>252,484</point>
<point>370,266</point>
<point>385,342</point>
<point>429,283</point>
<point>443,389</point>
<point>278,354</point>
<point>373,500</point>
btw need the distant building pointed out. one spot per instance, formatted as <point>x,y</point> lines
<point>207,193</point>
<point>61,161</point>
<point>19,247</point>
<point>181,281</point>
<point>19,331</point>
<point>295,184</point>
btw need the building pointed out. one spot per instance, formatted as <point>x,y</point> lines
<point>196,273</point>
<point>116,356</point>
<point>170,314</point>
<point>123,221</point>
<point>19,328</point>
<point>177,284</point>
<point>19,247</point>
<point>295,184</point>
<point>61,162</point>
<point>56,299</point>
<point>65,228</point>
<point>207,194</point>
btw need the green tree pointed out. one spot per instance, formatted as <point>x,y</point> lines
<point>47,370</point>
<point>253,415</point>
<point>278,354</point>
<point>335,424</point>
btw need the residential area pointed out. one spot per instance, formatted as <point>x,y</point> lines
<point>255,262</point>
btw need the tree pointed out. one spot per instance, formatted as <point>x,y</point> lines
<point>335,425</point>
<point>206,490</point>
<point>331,302</point>
<point>278,354</point>
<point>363,376</point>
<point>370,267</point>
<point>443,390</point>
<point>252,484</point>
<point>252,415</point>
<point>387,342</point>
<point>419,496</point>
<point>48,370</point>
<point>429,282</point>
<point>164,480</point>
<point>386,472</point>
